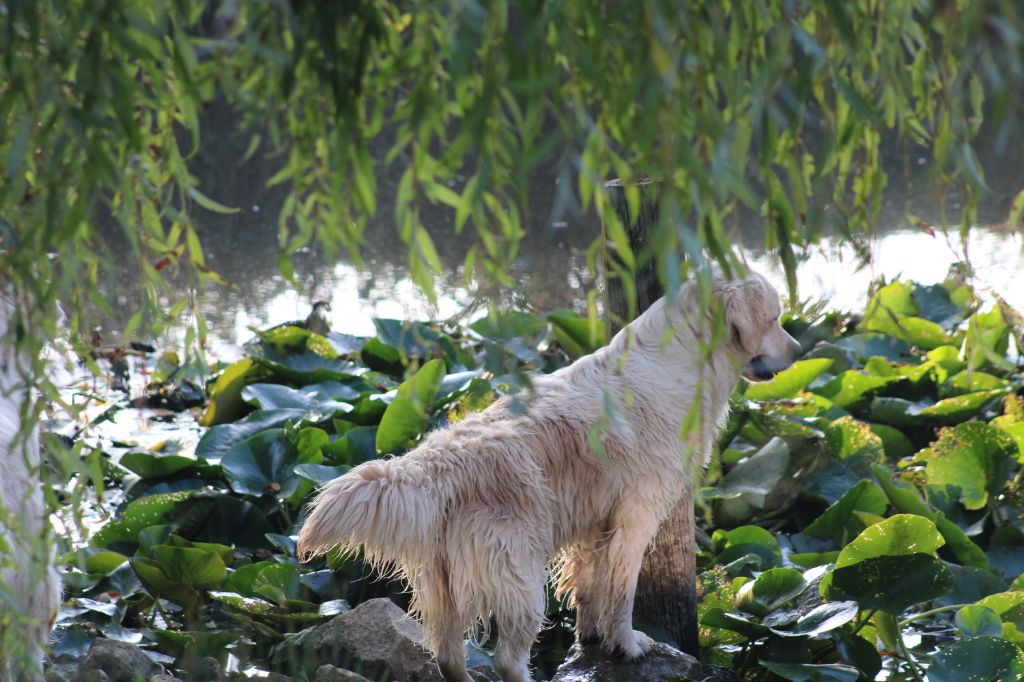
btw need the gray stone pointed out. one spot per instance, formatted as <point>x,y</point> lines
<point>481,673</point>
<point>116,661</point>
<point>328,673</point>
<point>592,664</point>
<point>378,640</point>
<point>164,677</point>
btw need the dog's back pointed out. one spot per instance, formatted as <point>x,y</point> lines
<point>30,587</point>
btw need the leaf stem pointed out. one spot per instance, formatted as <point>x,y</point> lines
<point>905,654</point>
<point>865,621</point>
<point>932,612</point>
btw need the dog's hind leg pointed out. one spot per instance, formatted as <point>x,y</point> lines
<point>443,623</point>
<point>633,528</point>
<point>451,651</point>
<point>497,566</point>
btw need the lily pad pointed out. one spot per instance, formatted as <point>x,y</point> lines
<point>974,620</point>
<point>979,659</point>
<point>770,590</point>
<point>789,382</point>
<point>278,397</point>
<point>407,414</point>
<point>140,514</point>
<point>839,522</point>
<point>975,457</point>
<point>891,583</point>
<point>263,465</point>
<point>218,440</point>
<point>812,672</point>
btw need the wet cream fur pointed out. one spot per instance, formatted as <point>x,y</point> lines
<point>29,585</point>
<point>474,516</point>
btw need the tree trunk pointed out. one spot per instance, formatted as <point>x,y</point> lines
<point>666,594</point>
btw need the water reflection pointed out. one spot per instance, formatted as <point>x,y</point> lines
<point>552,269</point>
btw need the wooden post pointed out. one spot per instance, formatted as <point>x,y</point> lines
<point>666,594</point>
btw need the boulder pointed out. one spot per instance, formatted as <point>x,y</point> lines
<point>328,673</point>
<point>109,659</point>
<point>378,640</point>
<point>592,664</point>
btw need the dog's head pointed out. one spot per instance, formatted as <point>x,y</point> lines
<point>751,310</point>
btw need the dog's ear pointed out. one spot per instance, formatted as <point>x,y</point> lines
<point>744,306</point>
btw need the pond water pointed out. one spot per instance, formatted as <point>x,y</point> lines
<point>551,270</point>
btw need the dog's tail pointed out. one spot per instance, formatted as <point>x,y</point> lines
<point>391,509</point>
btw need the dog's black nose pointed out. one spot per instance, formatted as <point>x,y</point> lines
<point>760,368</point>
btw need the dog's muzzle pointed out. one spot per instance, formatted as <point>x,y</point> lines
<point>763,367</point>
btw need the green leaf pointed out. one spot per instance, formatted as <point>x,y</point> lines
<point>262,465</point>
<point>770,590</point>
<point>159,585</point>
<point>734,544</point>
<point>900,535</point>
<point>821,619</point>
<point>789,382</point>
<point>890,583</point>
<point>870,344</point>
<point>895,444</point>
<point>838,522</point>
<point>194,643</point>
<point>153,465</point>
<point>103,563</point>
<point>971,381</point>
<point>576,335</point>
<point>191,566</point>
<point>812,672</point>
<point>278,397</point>
<point>226,402</point>
<point>959,408</point>
<point>979,659</point>
<point>208,203</point>
<point>915,331</point>
<point>1008,605</point>
<point>854,442</point>
<point>406,416</point>
<point>905,499</point>
<point>853,388</point>
<point>974,457</point>
<point>278,583</point>
<point>974,620</point>
<point>933,303</point>
<point>755,476</point>
<point>140,514</point>
<point>321,473</point>
<point>221,438</point>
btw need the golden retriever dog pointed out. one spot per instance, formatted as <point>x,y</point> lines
<point>29,584</point>
<point>474,515</point>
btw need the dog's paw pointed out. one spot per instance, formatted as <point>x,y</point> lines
<point>633,645</point>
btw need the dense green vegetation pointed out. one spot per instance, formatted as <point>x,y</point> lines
<point>864,510</point>
<point>762,111</point>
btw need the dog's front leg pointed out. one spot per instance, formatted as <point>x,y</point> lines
<point>577,577</point>
<point>633,528</point>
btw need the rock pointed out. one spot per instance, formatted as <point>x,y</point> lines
<point>378,640</point>
<point>328,673</point>
<point>207,669</point>
<point>592,664</point>
<point>481,673</point>
<point>164,677</point>
<point>109,659</point>
<point>54,676</point>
